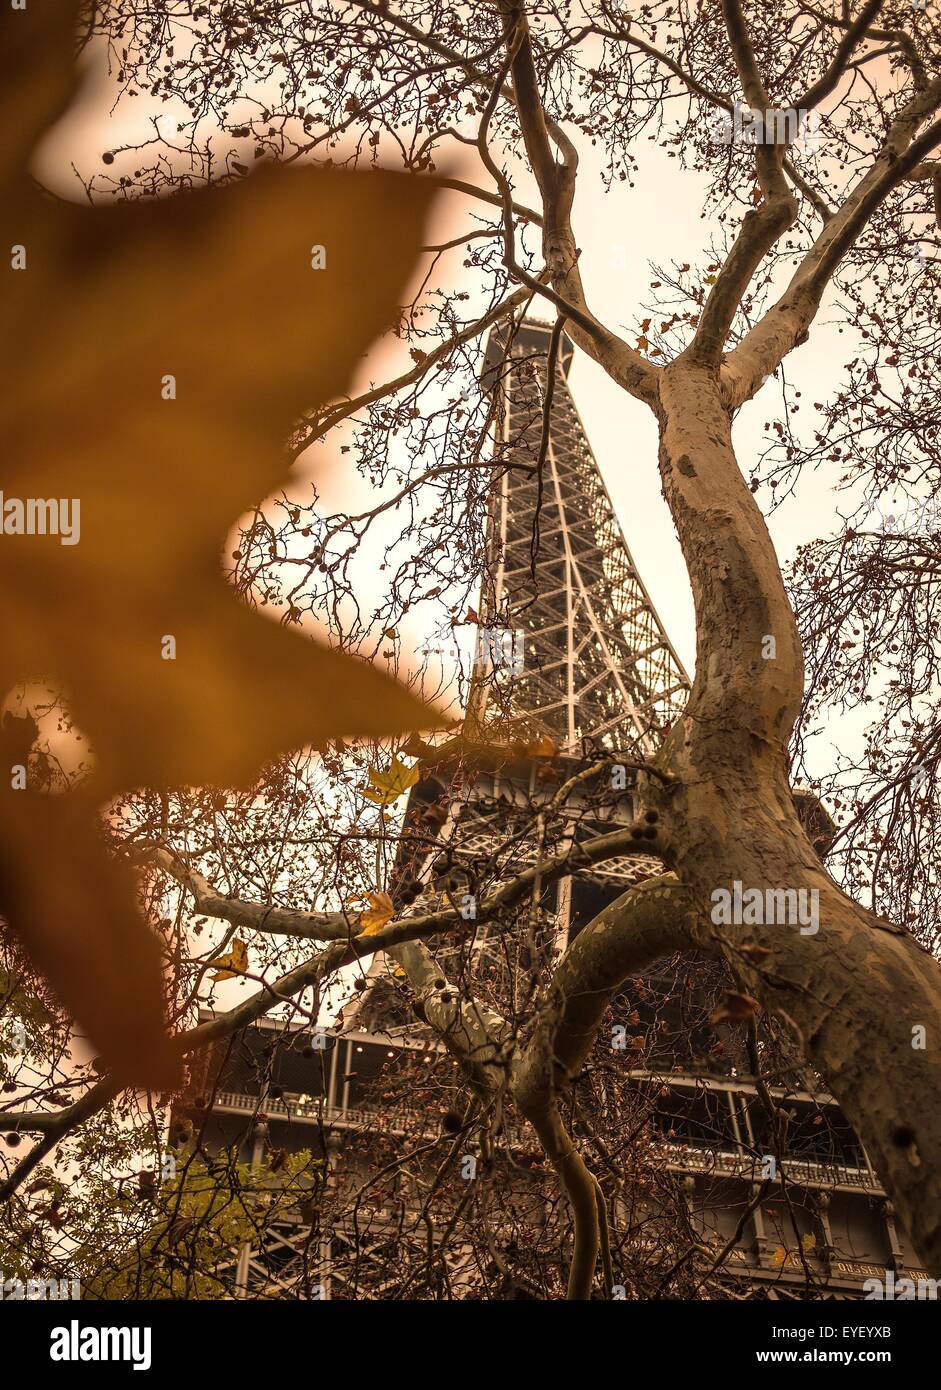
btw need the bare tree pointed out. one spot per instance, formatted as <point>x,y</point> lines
<point>796,224</point>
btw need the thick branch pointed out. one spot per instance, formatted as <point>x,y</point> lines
<point>649,921</point>
<point>786,323</point>
<point>854,35</point>
<point>479,1037</point>
<point>336,926</point>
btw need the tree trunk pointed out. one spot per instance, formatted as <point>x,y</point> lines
<point>859,990</point>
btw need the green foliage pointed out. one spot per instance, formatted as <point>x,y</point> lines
<point>180,1238</point>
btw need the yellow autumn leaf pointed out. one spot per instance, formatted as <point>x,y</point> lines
<point>780,1257</point>
<point>380,911</point>
<point>234,962</point>
<point>389,785</point>
<point>808,1241</point>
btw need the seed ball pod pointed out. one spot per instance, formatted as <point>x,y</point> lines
<point>451,1122</point>
<point>652,817</point>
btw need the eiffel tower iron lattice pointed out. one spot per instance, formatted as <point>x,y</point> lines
<point>595,665</point>
<point>574,670</point>
<point>571,658</point>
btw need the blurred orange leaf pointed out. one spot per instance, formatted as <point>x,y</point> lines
<point>155,355</point>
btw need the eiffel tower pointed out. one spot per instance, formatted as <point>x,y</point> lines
<point>596,666</point>
<point>573,670</point>
<point>572,663</point>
